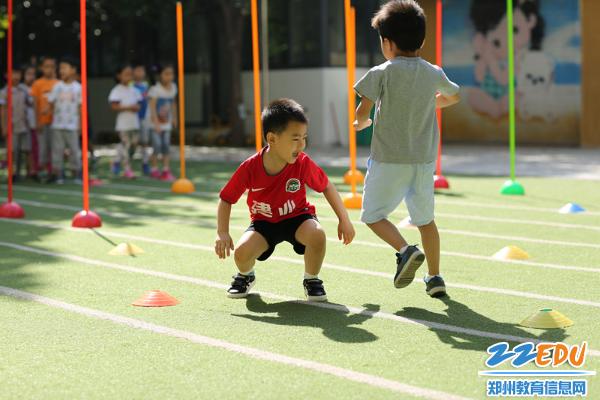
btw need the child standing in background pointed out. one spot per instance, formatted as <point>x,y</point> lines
<point>28,79</point>
<point>162,115</point>
<point>21,132</point>
<point>65,101</point>
<point>40,90</point>
<point>124,99</point>
<point>140,83</point>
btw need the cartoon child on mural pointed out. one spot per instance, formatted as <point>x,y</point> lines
<point>489,97</point>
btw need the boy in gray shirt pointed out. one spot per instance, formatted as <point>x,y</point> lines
<point>406,90</point>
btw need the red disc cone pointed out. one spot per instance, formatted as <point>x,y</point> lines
<point>11,210</point>
<point>86,219</point>
<point>155,298</point>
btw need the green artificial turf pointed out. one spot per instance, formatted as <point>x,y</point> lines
<point>50,353</point>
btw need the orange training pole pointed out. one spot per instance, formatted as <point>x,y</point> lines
<point>181,90</point>
<point>85,218</point>
<point>181,185</point>
<point>352,98</point>
<point>256,75</point>
<point>352,200</point>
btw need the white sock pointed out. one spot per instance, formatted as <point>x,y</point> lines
<point>429,277</point>
<point>309,276</point>
<point>402,250</point>
<point>249,273</point>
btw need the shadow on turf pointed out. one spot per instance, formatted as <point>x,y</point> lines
<point>336,326</point>
<point>458,314</point>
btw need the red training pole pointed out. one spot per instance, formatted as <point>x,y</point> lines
<point>438,61</point>
<point>85,218</point>
<point>9,100</point>
<point>10,209</point>
<point>84,105</point>
<point>439,182</point>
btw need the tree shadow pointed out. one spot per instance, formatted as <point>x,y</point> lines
<point>336,325</point>
<point>460,315</point>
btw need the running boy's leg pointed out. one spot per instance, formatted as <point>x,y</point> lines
<point>430,238</point>
<point>379,203</point>
<point>420,202</point>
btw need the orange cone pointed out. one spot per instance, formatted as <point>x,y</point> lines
<point>156,298</point>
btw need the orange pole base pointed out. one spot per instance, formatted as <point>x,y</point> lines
<point>11,210</point>
<point>355,175</point>
<point>352,201</point>
<point>182,185</point>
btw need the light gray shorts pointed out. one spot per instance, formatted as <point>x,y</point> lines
<point>387,184</point>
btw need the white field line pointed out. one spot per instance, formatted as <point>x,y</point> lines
<point>329,369</point>
<point>356,242</point>
<point>332,306</point>
<point>343,268</point>
<point>497,206</point>
<point>133,199</point>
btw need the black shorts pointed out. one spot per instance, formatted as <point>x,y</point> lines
<point>282,231</point>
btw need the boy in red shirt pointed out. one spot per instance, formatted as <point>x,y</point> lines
<point>275,179</point>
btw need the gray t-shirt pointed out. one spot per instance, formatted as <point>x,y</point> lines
<point>405,129</point>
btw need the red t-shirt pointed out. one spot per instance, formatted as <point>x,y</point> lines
<point>274,198</point>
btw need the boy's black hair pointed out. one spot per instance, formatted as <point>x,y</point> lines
<point>403,22</point>
<point>276,116</point>
<point>71,61</point>
<point>487,14</point>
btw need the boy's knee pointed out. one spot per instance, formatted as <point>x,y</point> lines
<point>242,255</point>
<point>317,238</point>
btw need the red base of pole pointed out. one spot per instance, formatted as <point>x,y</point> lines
<point>86,219</point>
<point>440,182</point>
<point>11,210</point>
<point>96,182</point>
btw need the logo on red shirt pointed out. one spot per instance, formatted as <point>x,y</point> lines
<point>292,185</point>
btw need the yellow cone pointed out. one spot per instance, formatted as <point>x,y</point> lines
<point>511,253</point>
<point>546,318</point>
<point>125,249</point>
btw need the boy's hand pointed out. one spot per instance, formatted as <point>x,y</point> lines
<point>223,245</point>
<point>346,231</point>
<point>135,108</point>
<point>360,125</point>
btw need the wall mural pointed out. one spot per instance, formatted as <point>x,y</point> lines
<point>547,70</point>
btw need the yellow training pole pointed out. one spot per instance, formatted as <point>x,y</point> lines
<point>181,185</point>
<point>352,200</point>
<point>256,75</point>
